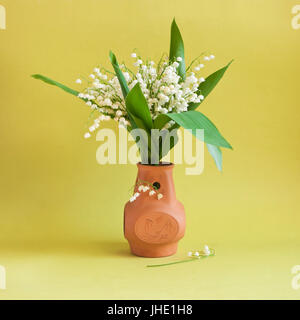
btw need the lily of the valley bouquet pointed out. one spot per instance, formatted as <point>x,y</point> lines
<point>153,99</point>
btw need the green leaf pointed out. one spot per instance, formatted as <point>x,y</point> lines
<point>137,122</point>
<point>173,142</point>
<point>143,142</point>
<point>162,141</point>
<point>208,85</point>
<point>55,83</point>
<point>177,48</point>
<point>119,73</point>
<point>160,121</point>
<point>192,120</point>
<point>137,106</point>
<point>216,153</point>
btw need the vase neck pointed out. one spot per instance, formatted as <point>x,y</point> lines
<point>160,176</point>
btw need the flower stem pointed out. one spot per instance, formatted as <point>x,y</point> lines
<point>177,262</point>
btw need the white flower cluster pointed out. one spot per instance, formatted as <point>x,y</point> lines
<point>160,84</point>
<point>144,188</point>
<point>205,252</point>
<point>162,87</point>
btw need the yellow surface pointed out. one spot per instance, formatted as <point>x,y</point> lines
<point>61,212</point>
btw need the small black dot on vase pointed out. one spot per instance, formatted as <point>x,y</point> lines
<point>156,185</point>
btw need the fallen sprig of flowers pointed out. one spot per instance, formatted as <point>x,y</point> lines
<point>193,256</point>
<point>154,97</point>
<point>205,252</point>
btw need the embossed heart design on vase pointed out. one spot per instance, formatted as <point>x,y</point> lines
<point>154,226</point>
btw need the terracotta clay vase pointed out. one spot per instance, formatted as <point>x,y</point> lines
<point>153,227</point>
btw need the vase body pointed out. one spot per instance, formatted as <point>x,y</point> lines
<point>153,227</point>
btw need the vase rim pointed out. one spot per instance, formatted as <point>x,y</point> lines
<point>159,165</point>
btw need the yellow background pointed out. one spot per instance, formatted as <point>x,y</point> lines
<point>61,213</point>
